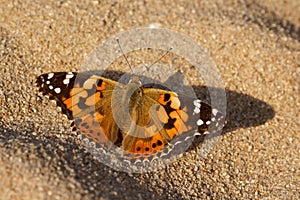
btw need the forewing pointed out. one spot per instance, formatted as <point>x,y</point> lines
<point>84,99</point>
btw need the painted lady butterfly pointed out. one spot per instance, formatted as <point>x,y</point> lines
<point>156,119</point>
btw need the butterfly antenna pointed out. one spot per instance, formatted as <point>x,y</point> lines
<point>160,57</point>
<point>118,41</point>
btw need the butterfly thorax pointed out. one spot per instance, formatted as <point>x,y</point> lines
<point>132,108</point>
<point>136,100</point>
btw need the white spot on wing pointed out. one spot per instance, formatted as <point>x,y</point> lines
<point>199,122</point>
<point>66,81</point>
<point>196,110</point>
<point>208,123</point>
<point>57,90</point>
<point>50,87</point>
<point>47,82</point>
<point>197,103</point>
<point>69,75</point>
<point>50,75</point>
<point>214,111</point>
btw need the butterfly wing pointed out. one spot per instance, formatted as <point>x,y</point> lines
<point>84,99</point>
<point>174,120</point>
<point>159,115</point>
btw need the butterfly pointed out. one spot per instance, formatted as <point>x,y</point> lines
<point>145,122</point>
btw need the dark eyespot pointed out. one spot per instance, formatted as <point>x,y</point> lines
<point>147,149</point>
<point>159,143</point>
<point>167,97</point>
<point>99,82</point>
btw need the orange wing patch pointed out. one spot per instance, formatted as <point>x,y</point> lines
<point>174,121</point>
<point>91,128</point>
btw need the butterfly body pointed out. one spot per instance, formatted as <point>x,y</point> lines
<point>141,121</point>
